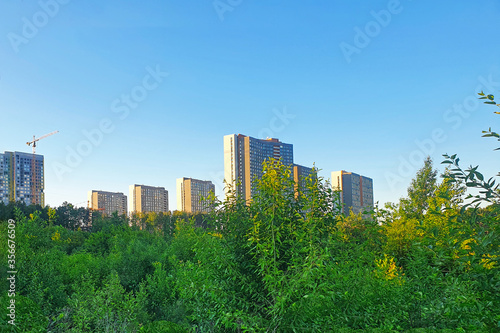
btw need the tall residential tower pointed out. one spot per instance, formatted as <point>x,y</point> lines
<point>108,202</point>
<point>300,173</point>
<point>22,178</point>
<point>190,193</point>
<point>144,199</point>
<point>356,191</point>
<point>243,157</point>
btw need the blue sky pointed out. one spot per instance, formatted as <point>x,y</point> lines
<point>353,85</point>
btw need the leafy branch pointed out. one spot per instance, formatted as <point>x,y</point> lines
<point>472,178</point>
<point>490,99</point>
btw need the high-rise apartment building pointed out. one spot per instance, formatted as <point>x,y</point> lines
<point>190,193</point>
<point>300,173</point>
<point>108,202</point>
<point>356,191</point>
<point>22,178</point>
<point>144,199</point>
<point>243,158</point>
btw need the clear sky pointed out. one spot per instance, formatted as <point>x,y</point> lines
<point>142,92</point>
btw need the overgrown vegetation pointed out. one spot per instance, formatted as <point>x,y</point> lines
<point>281,263</point>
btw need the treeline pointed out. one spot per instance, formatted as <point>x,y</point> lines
<point>281,263</point>
<point>79,218</point>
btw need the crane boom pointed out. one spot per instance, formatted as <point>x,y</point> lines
<point>33,143</point>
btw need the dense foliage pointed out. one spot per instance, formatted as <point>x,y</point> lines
<point>288,261</point>
<point>285,262</point>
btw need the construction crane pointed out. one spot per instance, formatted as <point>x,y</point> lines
<point>35,198</point>
<point>92,208</point>
<point>33,143</point>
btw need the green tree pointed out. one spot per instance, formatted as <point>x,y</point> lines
<point>422,187</point>
<point>425,213</point>
<point>260,263</point>
<point>72,217</point>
